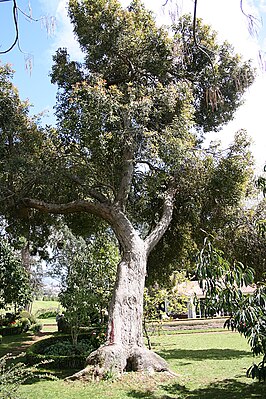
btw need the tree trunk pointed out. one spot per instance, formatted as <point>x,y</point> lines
<point>124,349</point>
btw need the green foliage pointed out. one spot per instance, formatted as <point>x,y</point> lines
<point>66,348</point>
<point>28,315</point>
<point>73,356</point>
<point>36,328</point>
<point>160,302</point>
<point>261,182</point>
<point>87,271</point>
<point>244,238</point>
<point>218,76</point>
<point>12,377</point>
<point>25,324</point>
<point>46,313</point>
<point>15,285</point>
<point>222,282</point>
<point>209,199</point>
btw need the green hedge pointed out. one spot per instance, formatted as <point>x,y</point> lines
<point>46,313</point>
<point>10,330</point>
<point>35,353</point>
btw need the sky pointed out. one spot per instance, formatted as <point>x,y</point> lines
<point>224,16</point>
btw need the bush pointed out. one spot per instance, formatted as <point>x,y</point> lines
<point>25,324</point>
<point>36,328</point>
<point>51,349</point>
<point>12,329</point>
<point>15,374</point>
<point>46,313</point>
<point>63,325</point>
<point>28,315</point>
<point>11,377</point>
<point>66,348</point>
<point>7,319</point>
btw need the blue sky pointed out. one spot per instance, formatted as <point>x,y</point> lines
<point>224,15</point>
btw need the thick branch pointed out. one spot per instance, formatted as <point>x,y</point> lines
<point>157,233</point>
<point>126,179</point>
<point>98,209</point>
<point>128,167</point>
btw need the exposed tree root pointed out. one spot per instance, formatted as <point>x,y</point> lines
<point>116,359</point>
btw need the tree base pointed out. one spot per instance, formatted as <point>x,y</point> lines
<point>115,360</point>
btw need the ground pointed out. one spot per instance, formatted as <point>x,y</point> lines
<point>208,365</point>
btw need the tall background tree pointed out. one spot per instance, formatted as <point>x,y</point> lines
<point>127,150</point>
<point>15,286</point>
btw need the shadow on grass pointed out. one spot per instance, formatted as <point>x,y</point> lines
<point>227,389</point>
<point>11,343</point>
<point>49,375</point>
<point>203,354</point>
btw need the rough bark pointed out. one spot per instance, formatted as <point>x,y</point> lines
<point>124,349</point>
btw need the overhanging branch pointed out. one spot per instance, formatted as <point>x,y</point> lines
<point>98,209</point>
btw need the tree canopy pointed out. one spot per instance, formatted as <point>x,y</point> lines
<point>127,149</point>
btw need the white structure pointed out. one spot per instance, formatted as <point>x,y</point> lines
<point>192,289</point>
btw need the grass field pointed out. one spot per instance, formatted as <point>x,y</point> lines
<point>208,365</point>
<point>36,305</point>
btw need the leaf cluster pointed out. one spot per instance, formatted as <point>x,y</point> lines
<point>15,286</point>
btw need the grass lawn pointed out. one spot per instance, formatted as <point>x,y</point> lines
<point>208,365</point>
<point>45,305</point>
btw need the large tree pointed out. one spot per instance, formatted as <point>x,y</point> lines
<point>129,122</point>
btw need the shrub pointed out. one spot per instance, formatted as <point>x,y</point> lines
<point>11,377</point>
<point>7,319</point>
<point>15,374</point>
<point>66,348</point>
<point>63,325</point>
<point>51,349</point>
<point>12,329</point>
<point>46,313</point>
<point>25,324</point>
<point>36,328</point>
<point>28,315</point>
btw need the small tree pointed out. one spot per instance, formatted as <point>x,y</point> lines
<point>15,287</point>
<point>222,283</point>
<point>87,272</point>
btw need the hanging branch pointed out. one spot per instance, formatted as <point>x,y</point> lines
<point>253,22</point>
<point>15,11</point>
<point>15,19</point>
<point>200,47</point>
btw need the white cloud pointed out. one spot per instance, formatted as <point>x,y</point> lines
<point>63,35</point>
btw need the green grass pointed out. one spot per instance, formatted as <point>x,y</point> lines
<point>208,365</point>
<point>45,305</point>
<point>14,343</point>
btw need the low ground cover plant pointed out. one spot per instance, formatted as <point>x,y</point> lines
<point>61,351</point>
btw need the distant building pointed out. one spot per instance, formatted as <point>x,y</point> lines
<point>192,288</point>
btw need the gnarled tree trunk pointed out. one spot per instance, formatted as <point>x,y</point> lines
<point>124,349</point>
